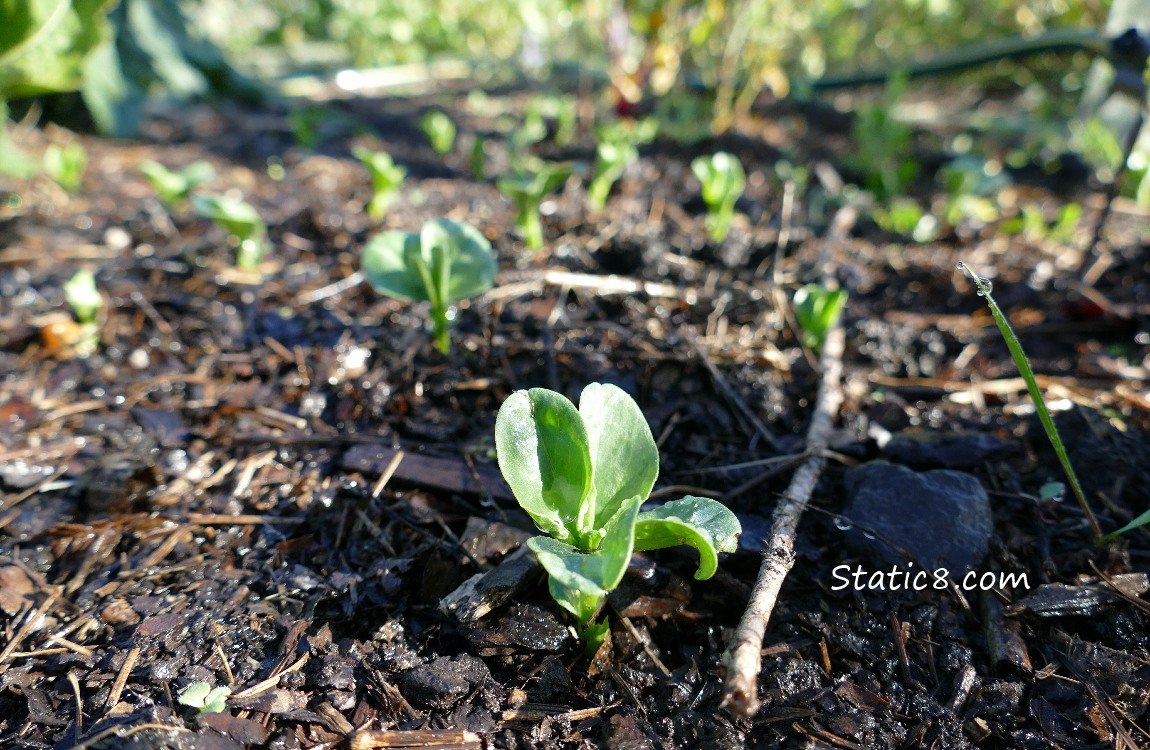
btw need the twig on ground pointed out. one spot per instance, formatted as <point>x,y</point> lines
<point>743,657</point>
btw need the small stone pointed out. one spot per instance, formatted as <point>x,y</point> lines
<point>442,683</point>
<point>941,518</point>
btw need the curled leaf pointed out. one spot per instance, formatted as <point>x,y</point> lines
<point>700,522</point>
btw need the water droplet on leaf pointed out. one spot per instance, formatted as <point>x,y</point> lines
<point>843,524</point>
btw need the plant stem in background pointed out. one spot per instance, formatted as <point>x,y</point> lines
<point>1015,347</point>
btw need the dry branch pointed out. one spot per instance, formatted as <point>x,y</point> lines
<point>743,657</point>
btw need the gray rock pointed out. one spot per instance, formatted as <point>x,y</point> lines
<point>941,517</point>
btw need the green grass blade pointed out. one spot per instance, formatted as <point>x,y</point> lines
<point>1015,347</point>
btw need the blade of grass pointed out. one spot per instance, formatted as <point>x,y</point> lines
<point>1015,347</point>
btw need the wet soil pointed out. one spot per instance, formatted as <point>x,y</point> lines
<point>272,484</point>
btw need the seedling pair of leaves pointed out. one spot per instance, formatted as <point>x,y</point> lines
<point>527,191</point>
<point>174,186</point>
<point>240,220</point>
<point>204,698</point>
<point>817,309</point>
<point>443,263</point>
<point>386,177</point>
<point>582,475</point>
<point>723,181</point>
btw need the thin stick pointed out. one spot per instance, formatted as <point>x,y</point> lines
<point>743,658</point>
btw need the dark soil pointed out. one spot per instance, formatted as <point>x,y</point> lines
<point>199,500</point>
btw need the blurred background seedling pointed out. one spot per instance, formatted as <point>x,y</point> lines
<point>440,131</point>
<point>817,310</point>
<point>66,165</point>
<point>527,191</point>
<point>174,186</point>
<point>242,222</point>
<point>386,177</point>
<point>723,181</point>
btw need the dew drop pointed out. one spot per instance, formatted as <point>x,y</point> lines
<point>842,524</point>
<point>987,284</point>
<point>868,535</point>
<point>961,266</point>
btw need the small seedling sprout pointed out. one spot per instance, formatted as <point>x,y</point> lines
<point>445,262</point>
<point>174,186</point>
<point>984,286</point>
<point>65,165</point>
<point>611,159</point>
<point>85,301</point>
<point>527,192</point>
<point>440,131</point>
<point>204,698</point>
<point>386,177</point>
<point>582,475</point>
<point>240,220</point>
<point>723,181</point>
<point>817,309</point>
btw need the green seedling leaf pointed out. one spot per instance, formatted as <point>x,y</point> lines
<point>205,698</point>
<point>817,309</point>
<point>624,457</point>
<point>579,581</point>
<point>611,160</point>
<point>699,522</point>
<point>723,181</point>
<point>984,287</point>
<point>1052,491</point>
<point>582,476</point>
<point>446,262</point>
<point>386,177</point>
<point>527,191</point>
<point>173,187</point>
<point>65,165</point>
<point>440,131</point>
<point>240,220</point>
<point>83,297</point>
<point>545,457</point>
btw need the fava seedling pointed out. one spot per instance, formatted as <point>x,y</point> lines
<point>173,187</point>
<point>240,220</point>
<point>66,165</point>
<point>386,177</point>
<point>984,286</point>
<point>582,475</point>
<point>82,334</point>
<point>440,131</point>
<point>443,263</point>
<point>723,181</point>
<point>817,309</point>
<point>204,698</point>
<point>527,192</point>
<point>611,160</point>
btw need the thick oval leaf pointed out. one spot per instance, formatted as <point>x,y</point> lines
<point>700,522</point>
<point>579,581</point>
<point>385,266</point>
<point>624,456</point>
<point>570,589</point>
<point>235,216</point>
<point>542,449</point>
<point>472,265</point>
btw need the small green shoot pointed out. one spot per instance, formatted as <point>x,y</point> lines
<point>443,263</point>
<point>240,220</point>
<point>479,158</point>
<point>65,165</point>
<point>817,309</point>
<point>85,300</point>
<point>885,144</point>
<point>611,159</point>
<point>582,475</point>
<point>723,181</point>
<point>386,177</point>
<point>440,131</point>
<point>204,698</point>
<point>173,187</point>
<point>984,285</point>
<point>527,192</point>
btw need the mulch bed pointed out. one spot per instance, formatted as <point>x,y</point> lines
<point>273,486</point>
